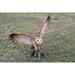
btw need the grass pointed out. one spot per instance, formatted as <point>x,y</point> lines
<point>58,45</point>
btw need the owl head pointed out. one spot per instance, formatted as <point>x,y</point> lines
<point>38,40</point>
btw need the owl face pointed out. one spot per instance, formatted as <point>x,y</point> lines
<point>38,40</point>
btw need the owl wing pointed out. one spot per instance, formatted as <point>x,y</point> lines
<point>44,27</point>
<point>19,38</point>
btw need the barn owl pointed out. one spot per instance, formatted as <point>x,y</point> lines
<point>34,42</point>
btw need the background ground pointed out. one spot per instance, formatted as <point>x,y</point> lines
<point>58,45</point>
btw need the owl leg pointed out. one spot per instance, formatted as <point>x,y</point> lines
<point>40,53</point>
<point>37,52</point>
<point>34,50</point>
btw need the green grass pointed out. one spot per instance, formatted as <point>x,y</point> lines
<point>58,44</point>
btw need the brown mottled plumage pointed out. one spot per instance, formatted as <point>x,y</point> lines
<point>28,39</point>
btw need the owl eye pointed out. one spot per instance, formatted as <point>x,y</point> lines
<point>38,40</point>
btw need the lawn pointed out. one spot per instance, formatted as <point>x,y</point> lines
<point>58,43</point>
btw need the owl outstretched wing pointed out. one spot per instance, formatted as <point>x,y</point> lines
<point>44,27</point>
<point>26,37</point>
<point>18,38</point>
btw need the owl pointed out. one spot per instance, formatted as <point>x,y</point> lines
<point>34,42</point>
